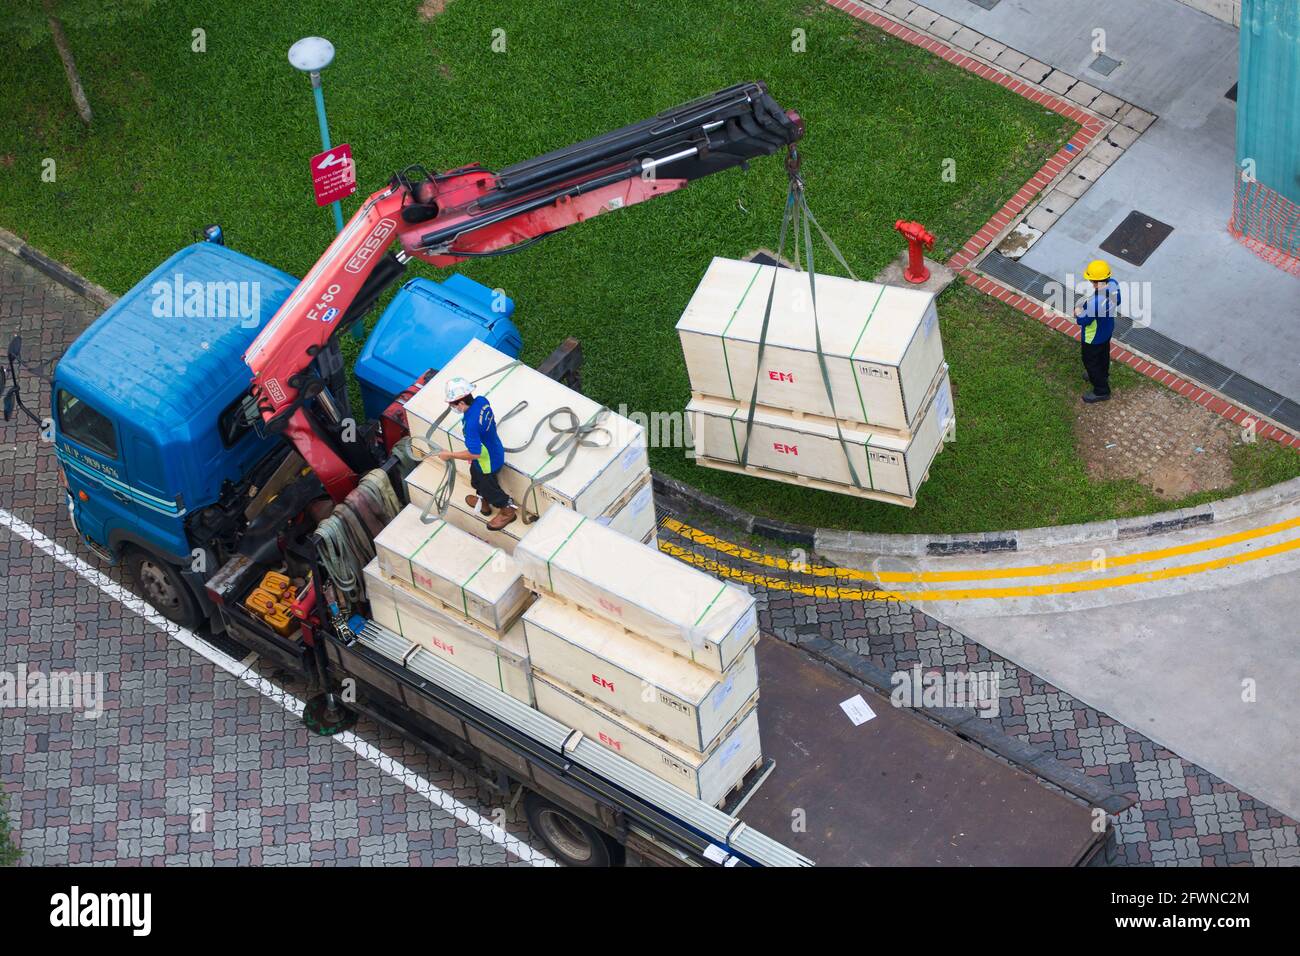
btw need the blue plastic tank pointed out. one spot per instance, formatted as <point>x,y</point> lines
<point>424,327</point>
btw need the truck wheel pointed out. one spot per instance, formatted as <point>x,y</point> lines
<point>164,588</point>
<point>576,842</point>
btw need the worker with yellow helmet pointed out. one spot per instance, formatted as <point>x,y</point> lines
<point>1096,318</point>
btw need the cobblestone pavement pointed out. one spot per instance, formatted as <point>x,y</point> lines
<point>187,764</point>
<point>1183,814</point>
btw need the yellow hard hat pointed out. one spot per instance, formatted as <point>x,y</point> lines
<point>1097,271</point>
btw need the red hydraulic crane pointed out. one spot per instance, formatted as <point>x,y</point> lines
<point>469,212</point>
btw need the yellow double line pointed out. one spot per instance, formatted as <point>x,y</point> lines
<point>872,592</point>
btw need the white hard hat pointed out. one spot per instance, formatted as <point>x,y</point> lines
<point>458,388</point>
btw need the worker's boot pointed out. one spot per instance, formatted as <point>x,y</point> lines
<point>503,518</point>
<point>1093,397</point>
<point>474,501</point>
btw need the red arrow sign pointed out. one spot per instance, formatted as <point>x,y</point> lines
<point>333,174</point>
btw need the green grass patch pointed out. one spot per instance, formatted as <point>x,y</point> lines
<point>183,138</point>
<point>9,853</point>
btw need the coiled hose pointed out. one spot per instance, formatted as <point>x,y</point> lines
<point>346,544</point>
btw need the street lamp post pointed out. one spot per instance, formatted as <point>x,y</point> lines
<point>311,55</point>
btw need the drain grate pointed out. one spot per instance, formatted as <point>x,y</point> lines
<point>1105,65</point>
<point>1250,394</point>
<point>1203,369</point>
<point>986,4</point>
<point>1136,238</point>
<point>1150,342</point>
<point>1033,283</point>
<point>1287,413</point>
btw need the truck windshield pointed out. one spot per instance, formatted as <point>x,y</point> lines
<point>233,424</point>
<point>85,426</point>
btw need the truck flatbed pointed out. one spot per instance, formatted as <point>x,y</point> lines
<point>897,789</point>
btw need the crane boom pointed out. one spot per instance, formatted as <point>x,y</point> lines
<point>472,211</point>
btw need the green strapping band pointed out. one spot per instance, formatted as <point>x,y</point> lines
<point>709,606</point>
<point>734,312</point>
<point>880,295</point>
<point>734,442</point>
<point>410,562</point>
<point>550,580</point>
<point>464,598</point>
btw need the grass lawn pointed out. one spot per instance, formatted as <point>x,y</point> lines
<point>182,139</point>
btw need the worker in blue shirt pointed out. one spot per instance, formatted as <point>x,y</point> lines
<point>484,452</point>
<point>1096,318</point>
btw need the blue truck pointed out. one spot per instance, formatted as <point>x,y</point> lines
<point>148,408</point>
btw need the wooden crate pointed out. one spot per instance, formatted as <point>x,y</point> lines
<point>881,343</point>
<point>590,483</point>
<point>671,696</point>
<point>631,514</point>
<point>650,594</point>
<point>708,776</point>
<point>808,447</point>
<point>499,661</point>
<point>438,558</point>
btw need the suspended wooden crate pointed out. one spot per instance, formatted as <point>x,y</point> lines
<point>806,450</point>
<point>591,482</point>
<point>632,513</point>
<point>650,594</point>
<point>500,661</point>
<point>438,558</point>
<point>708,775</point>
<point>670,695</point>
<point>881,343</point>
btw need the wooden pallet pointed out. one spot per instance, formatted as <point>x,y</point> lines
<point>804,482</point>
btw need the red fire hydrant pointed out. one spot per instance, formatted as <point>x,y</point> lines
<point>917,236</point>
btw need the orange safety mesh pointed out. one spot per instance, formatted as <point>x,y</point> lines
<point>1266,223</point>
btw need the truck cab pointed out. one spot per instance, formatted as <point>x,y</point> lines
<point>157,453</point>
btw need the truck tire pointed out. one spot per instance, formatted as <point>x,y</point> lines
<point>162,586</point>
<point>574,841</point>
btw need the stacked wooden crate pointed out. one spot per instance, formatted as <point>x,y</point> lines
<point>646,655</point>
<point>609,482</point>
<point>453,594</point>
<point>892,400</point>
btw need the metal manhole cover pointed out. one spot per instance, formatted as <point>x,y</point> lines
<point>1105,65</point>
<point>1136,238</point>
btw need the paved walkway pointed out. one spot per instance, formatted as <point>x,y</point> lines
<point>1167,634</point>
<point>1185,813</point>
<point>1179,64</point>
<point>188,764</point>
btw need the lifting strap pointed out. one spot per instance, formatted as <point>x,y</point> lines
<point>798,214</point>
<point>568,436</point>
